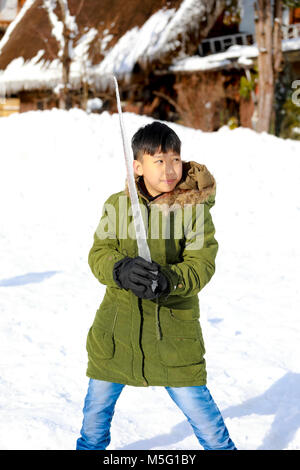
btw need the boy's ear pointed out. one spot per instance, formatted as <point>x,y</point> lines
<point>137,166</point>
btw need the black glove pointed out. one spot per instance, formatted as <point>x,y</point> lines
<point>130,272</point>
<point>145,291</point>
<point>138,275</point>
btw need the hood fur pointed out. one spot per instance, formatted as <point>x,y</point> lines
<point>196,186</point>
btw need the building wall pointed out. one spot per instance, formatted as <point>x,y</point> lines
<point>9,106</point>
<point>209,100</point>
<point>247,23</point>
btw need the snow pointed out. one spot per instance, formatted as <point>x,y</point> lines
<point>198,63</point>
<point>40,73</point>
<point>57,169</point>
<point>21,74</point>
<point>292,44</point>
<point>241,55</point>
<point>57,25</point>
<point>186,18</point>
<point>70,20</point>
<point>8,9</point>
<point>94,104</point>
<point>13,24</point>
<point>80,66</point>
<point>136,44</point>
<point>158,35</point>
<point>216,61</point>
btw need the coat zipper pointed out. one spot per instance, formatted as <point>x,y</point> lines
<point>157,321</point>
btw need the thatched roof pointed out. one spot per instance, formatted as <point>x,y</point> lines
<point>109,36</point>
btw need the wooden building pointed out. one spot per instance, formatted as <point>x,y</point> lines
<point>175,60</point>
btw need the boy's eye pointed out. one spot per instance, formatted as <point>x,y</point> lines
<point>176,159</point>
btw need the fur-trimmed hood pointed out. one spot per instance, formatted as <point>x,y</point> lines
<point>196,186</point>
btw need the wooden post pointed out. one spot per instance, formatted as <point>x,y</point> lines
<point>270,58</point>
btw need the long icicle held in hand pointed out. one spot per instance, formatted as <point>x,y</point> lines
<point>143,248</point>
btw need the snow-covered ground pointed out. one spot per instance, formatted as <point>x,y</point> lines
<point>57,169</point>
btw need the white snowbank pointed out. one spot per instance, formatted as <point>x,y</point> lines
<point>57,169</point>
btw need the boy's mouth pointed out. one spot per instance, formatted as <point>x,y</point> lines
<point>169,181</point>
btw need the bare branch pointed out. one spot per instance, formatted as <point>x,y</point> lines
<point>170,100</point>
<point>79,8</point>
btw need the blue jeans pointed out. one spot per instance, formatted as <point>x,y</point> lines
<point>195,402</point>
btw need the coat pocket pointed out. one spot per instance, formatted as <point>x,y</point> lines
<point>176,351</point>
<point>100,343</point>
<point>185,315</point>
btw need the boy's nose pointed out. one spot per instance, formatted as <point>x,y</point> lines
<point>170,173</point>
<point>171,177</point>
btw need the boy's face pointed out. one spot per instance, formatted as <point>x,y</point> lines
<point>161,171</point>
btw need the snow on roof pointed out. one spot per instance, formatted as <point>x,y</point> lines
<point>8,10</point>
<point>137,43</point>
<point>216,61</point>
<point>235,56</point>
<point>112,38</point>
<point>13,24</point>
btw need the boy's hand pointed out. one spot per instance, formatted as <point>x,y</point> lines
<point>130,272</point>
<point>137,274</point>
<point>145,291</point>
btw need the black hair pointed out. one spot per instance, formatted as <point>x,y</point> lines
<point>154,137</point>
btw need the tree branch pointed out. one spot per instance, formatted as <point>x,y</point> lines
<point>170,100</point>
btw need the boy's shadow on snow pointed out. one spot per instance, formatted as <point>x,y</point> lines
<point>282,399</point>
<point>28,278</point>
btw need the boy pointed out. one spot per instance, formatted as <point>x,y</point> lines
<point>143,335</point>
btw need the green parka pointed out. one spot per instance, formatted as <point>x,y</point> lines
<point>143,342</point>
